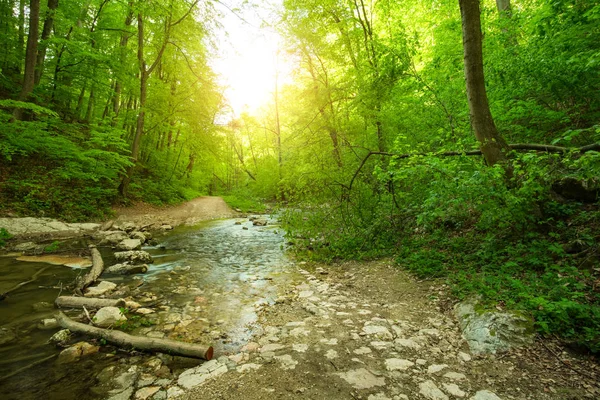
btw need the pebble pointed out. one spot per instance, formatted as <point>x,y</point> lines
<point>433,369</point>
<point>485,395</point>
<point>454,390</point>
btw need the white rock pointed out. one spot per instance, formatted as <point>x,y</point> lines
<point>429,390</point>
<point>485,395</point>
<point>378,396</point>
<point>174,391</point>
<point>248,367</point>
<point>100,289</point>
<point>380,345</point>
<point>197,376</point>
<point>331,354</point>
<point>408,343</point>
<point>271,347</point>
<point>129,244</point>
<point>108,316</point>
<point>432,369</point>
<point>300,347</point>
<point>381,332</point>
<point>362,350</point>
<point>299,332</point>
<point>455,376</point>
<point>361,379</point>
<point>396,364</point>
<point>287,362</point>
<point>464,357</point>
<point>305,293</point>
<point>454,390</point>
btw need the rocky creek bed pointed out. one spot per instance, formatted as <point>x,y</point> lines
<point>280,330</point>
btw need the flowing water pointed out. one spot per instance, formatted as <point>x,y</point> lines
<point>206,284</point>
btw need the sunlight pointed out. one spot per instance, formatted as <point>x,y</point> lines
<point>249,62</point>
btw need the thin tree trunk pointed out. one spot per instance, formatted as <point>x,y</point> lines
<point>122,52</point>
<point>90,106</point>
<point>46,31</point>
<point>30,55</point>
<point>492,145</point>
<point>21,35</point>
<point>504,7</point>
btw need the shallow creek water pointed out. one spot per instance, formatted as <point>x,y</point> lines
<point>206,284</point>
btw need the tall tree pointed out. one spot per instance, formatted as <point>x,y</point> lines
<point>493,146</point>
<point>30,55</point>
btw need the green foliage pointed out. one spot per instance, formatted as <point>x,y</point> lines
<point>245,201</point>
<point>133,321</point>
<point>4,235</point>
<point>51,248</point>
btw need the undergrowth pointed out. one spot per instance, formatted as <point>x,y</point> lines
<point>515,243</point>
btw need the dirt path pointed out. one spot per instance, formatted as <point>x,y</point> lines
<point>370,331</point>
<point>188,213</point>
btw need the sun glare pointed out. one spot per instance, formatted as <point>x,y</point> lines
<point>249,63</point>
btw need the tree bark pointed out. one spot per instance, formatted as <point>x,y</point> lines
<point>504,7</point>
<point>30,55</point>
<point>46,31</point>
<point>121,339</point>
<point>80,302</point>
<point>493,146</point>
<point>97,267</point>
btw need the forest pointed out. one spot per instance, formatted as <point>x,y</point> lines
<point>460,137</point>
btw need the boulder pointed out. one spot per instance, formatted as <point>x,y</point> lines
<point>111,237</point>
<point>138,235</point>
<point>60,337</point>
<point>490,331</point>
<point>129,244</point>
<point>48,323</point>
<point>134,257</point>
<point>127,269</point>
<point>108,316</point>
<point>585,191</point>
<point>128,227</point>
<point>75,352</point>
<point>100,289</point>
<point>260,222</point>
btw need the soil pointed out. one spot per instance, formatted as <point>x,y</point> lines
<point>189,213</point>
<point>326,351</point>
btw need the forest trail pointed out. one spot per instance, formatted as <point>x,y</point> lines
<point>367,330</point>
<point>191,212</point>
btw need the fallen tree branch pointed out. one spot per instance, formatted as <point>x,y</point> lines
<point>97,267</point>
<point>516,146</point>
<point>33,279</point>
<point>121,339</point>
<point>81,302</point>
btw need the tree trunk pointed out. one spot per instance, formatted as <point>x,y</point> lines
<point>21,37</point>
<point>30,55</point>
<point>97,267</point>
<point>504,7</point>
<point>122,54</point>
<point>492,145</point>
<point>46,31</point>
<point>121,339</point>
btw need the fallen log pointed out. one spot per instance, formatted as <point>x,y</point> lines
<point>97,267</point>
<point>33,279</point>
<point>125,340</point>
<point>80,302</point>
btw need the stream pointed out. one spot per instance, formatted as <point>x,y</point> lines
<point>207,285</point>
